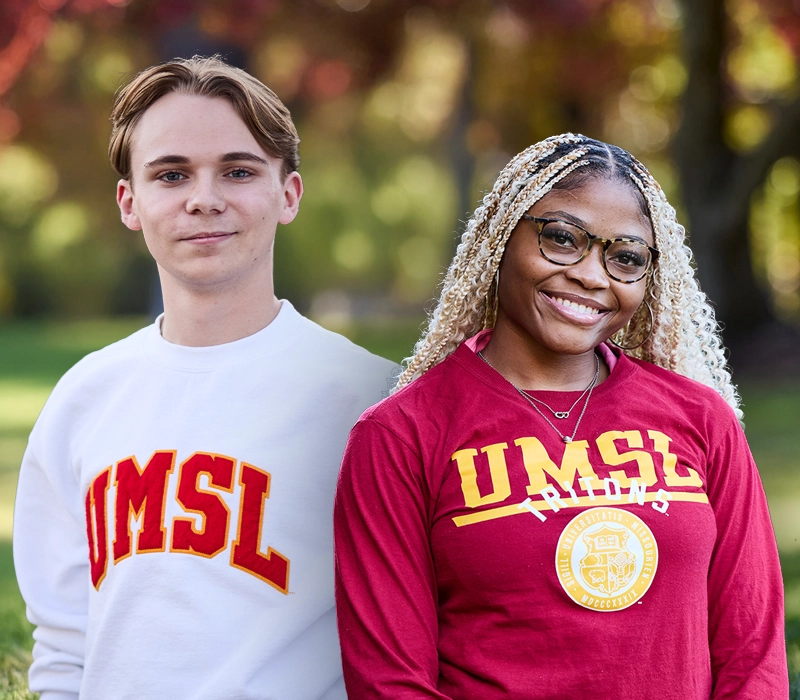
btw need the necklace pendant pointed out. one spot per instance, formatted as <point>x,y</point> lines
<point>567,439</point>
<point>561,414</point>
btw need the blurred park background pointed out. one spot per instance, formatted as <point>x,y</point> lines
<point>406,110</point>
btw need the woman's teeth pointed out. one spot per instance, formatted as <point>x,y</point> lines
<point>580,308</point>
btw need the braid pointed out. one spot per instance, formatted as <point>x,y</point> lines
<point>462,302</point>
<point>685,337</point>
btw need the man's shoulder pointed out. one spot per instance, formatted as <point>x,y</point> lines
<point>96,371</point>
<point>321,347</point>
<point>109,358</point>
<point>91,380</point>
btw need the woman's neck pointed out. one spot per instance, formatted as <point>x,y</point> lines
<point>529,365</point>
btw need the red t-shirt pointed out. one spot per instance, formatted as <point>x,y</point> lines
<point>479,557</point>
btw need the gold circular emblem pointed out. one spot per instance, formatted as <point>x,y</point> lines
<point>606,559</point>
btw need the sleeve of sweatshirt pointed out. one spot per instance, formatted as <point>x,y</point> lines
<point>52,564</point>
<point>745,591</point>
<point>385,580</point>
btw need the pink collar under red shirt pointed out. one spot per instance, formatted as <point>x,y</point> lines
<point>478,342</point>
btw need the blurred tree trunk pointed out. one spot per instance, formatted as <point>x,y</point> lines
<point>717,182</point>
<point>461,159</point>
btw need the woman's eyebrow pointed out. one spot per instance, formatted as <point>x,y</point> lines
<point>565,216</point>
<point>572,219</point>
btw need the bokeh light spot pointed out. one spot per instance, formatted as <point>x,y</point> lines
<point>647,83</point>
<point>280,64</point>
<point>60,226</point>
<point>418,258</point>
<point>763,65</point>
<point>330,79</point>
<point>785,177</point>
<point>109,69</point>
<point>353,251</point>
<point>390,203</point>
<point>26,179</point>
<point>64,41</point>
<point>352,5</point>
<point>747,127</point>
<point>627,23</point>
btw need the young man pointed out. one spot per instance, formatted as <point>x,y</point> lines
<point>172,534</point>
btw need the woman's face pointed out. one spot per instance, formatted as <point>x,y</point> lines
<point>571,309</point>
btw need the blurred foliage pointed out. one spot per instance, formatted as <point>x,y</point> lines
<point>775,232</point>
<point>406,110</point>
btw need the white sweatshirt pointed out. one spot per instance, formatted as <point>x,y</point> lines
<point>172,529</point>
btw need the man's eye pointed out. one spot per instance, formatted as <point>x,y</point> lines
<point>239,174</point>
<point>171,176</point>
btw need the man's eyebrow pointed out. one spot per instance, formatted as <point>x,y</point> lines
<point>233,157</point>
<point>243,155</point>
<point>167,160</point>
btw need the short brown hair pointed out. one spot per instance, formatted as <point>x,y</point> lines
<point>265,115</point>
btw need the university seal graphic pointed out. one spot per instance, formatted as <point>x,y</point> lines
<point>606,559</point>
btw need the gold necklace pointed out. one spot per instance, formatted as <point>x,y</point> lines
<point>530,399</point>
<point>565,414</point>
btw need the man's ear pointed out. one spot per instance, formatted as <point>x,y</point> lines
<point>292,192</point>
<point>125,203</point>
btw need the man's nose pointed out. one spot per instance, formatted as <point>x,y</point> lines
<point>205,196</point>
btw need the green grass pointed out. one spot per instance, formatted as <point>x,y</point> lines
<point>771,411</point>
<point>34,355</point>
<point>15,632</point>
<point>32,358</point>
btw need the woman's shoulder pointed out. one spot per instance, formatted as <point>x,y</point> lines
<point>665,376</point>
<point>428,395</point>
<point>670,388</point>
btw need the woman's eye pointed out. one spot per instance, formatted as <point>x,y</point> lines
<point>629,259</point>
<point>559,237</point>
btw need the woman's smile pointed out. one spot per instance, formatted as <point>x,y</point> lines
<point>575,308</point>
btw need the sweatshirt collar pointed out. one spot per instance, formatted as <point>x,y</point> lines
<point>271,339</point>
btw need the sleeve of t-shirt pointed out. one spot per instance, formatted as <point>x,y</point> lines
<point>385,583</point>
<point>745,591</point>
<point>51,562</point>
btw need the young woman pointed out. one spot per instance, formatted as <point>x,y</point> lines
<point>558,501</point>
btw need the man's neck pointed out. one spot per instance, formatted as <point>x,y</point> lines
<point>197,318</point>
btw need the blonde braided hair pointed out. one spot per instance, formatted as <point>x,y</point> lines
<point>685,337</point>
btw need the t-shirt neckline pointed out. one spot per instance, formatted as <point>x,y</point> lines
<point>270,339</point>
<point>619,364</point>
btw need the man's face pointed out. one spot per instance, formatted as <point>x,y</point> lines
<point>205,194</point>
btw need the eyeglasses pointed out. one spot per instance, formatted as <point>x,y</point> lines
<point>562,243</point>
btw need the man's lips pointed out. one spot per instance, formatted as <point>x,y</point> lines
<point>208,236</point>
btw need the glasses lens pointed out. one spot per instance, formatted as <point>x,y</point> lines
<point>562,243</point>
<point>627,260</point>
